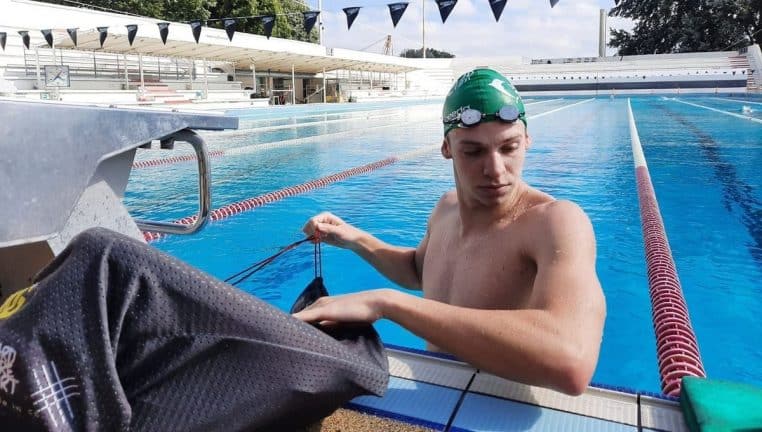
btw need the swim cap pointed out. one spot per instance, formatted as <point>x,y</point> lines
<point>485,90</point>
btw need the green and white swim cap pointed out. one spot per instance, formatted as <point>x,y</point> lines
<point>484,90</point>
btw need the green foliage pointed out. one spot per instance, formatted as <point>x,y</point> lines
<point>668,26</point>
<point>430,53</point>
<point>295,20</point>
<point>185,10</point>
<point>289,22</point>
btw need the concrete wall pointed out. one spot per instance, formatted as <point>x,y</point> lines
<point>754,54</point>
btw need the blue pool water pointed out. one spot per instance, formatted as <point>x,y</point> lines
<point>704,166</point>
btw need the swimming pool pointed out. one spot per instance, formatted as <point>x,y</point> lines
<point>704,166</point>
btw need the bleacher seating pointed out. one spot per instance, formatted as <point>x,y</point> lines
<point>718,68</point>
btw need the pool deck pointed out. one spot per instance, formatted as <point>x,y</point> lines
<point>446,395</point>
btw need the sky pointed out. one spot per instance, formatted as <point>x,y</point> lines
<point>527,28</point>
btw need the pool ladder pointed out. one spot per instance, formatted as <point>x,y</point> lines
<point>204,188</point>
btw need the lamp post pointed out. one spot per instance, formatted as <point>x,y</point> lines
<point>320,22</point>
<point>423,26</point>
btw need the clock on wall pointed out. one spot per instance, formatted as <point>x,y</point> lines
<point>57,76</point>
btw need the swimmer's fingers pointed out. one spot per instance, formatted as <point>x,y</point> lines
<point>360,307</point>
<point>317,311</point>
<point>323,226</point>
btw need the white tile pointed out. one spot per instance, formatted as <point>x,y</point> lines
<point>429,369</point>
<point>599,403</point>
<point>661,414</point>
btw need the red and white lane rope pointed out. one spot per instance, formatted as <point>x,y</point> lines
<point>676,347</point>
<point>258,201</point>
<point>173,159</point>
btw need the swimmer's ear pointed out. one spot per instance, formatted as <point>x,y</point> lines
<point>529,141</point>
<point>446,148</point>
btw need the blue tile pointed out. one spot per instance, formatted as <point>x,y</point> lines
<point>407,398</point>
<point>480,413</point>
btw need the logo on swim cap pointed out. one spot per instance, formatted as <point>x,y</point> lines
<point>484,90</point>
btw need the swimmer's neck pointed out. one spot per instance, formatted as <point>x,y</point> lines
<point>478,217</point>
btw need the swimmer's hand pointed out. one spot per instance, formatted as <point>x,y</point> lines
<point>333,230</point>
<point>362,307</point>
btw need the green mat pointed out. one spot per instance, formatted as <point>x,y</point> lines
<point>713,406</point>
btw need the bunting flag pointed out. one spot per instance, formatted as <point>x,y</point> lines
<point>553,2</point>
<point>269,22</point>
<point>396,10</point>
<point>48,35</point>
<point>310,17</point>
<point>103,34</point>
<point>25,37</point>
<point>196,29</point>
<point>72,34</point>
<point>229,24</point>
<point>351,15</point>
<point>445,7</point>
<point>132,30</point>
<point>163,31</point>
<point>497,8</point>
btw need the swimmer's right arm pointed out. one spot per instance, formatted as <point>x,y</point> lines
<point>403,265</point>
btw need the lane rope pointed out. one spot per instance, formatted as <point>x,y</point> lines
<point>755,120</point>
<point>258,201</point>
<point>676,346</point>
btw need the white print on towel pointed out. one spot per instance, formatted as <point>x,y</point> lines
<point>54,393</point>
<point>7,358</point>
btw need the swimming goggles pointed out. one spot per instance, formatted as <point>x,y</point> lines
<point>471,117</point>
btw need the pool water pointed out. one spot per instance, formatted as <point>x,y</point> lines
<point>704,165</point>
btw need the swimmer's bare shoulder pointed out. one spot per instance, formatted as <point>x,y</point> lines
<point>445,206</point>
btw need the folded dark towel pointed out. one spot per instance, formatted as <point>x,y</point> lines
<point>116,335</point>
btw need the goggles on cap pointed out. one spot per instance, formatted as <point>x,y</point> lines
<point>472,117</point>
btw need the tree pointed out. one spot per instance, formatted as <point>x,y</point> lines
<point>430,53</point>
<point>668,26</point>
<point>295,19</point>
<point>186,10</point>
<point>152,8</point>
<point>289,22</point>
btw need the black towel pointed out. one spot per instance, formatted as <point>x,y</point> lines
<point>116,335</point>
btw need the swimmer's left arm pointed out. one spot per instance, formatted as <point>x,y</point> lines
<point>553,343</point>
<point>555,340</point>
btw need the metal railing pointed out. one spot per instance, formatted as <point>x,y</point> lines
<point>204,189</point>
<point>90,64</point>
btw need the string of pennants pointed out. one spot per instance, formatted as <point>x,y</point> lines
<point>396,10</point>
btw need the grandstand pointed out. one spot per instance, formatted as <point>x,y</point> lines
<point>730,71</point>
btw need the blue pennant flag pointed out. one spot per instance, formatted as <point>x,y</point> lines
<point>396,10</point>
<point>103,34</point>
<point>72,34</point>
<point>196,29</point>
<point>132,30</point>
<point>445,7</point>
<point>497,8</point>
<point>163,31</point>
<point>310,17</point>
<point>351,15</point>
<point>229,24</point>
<point>268,21</point>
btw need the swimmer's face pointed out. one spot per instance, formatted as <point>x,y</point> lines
<point>487,160</point>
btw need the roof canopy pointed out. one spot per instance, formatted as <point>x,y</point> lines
<point>244,50</point>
